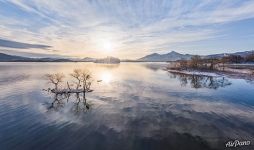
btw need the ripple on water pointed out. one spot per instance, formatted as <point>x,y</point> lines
<point>139,107</point>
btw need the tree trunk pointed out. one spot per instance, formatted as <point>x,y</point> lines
<point>56,86</point>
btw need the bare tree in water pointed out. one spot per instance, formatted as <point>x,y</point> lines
<point>83,78</point>
<point>55,79</point>
<point>77,75</point>
<point>86,80</point>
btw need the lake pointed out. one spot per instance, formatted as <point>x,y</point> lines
<point>135,106</point>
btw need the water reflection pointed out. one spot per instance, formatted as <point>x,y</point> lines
<point>109,66</point>
<point>200,81</point>
<point>81,105</point>
<point>133,106</point>
<point>106,77</point>
<point>155,66</point>
<point>79,102</point>
<point>57,103</point>
<point>13,78</point>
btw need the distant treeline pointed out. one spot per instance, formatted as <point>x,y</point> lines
<point>197,62</point>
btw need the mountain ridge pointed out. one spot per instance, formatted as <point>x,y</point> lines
<point>13,58</point>
<point>154,57</point>
<point>171,56</point>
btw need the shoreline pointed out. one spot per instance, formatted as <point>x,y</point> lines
<point>215,73</point>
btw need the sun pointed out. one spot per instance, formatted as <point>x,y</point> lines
<point>107,46</point>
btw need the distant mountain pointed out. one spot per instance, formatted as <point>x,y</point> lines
<point>5,57</point>
<point>243,54</point>
<point>13,58</point>
<point>155,57</point>
<point>172,56</point>
<point>108,60</point>
<point>52,60</point>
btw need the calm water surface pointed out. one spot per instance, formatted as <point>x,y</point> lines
<point>136,106</point>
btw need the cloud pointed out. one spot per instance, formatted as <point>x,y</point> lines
<point>20,45</point>
<point>31,54</point>
<point>77,28</point>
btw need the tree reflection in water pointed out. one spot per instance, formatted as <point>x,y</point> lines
<point>79,105</point>
<point>200,81</point>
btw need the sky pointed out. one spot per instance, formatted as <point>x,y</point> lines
<point>127,29</point>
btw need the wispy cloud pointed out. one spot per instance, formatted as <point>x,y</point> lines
<point>135,28</point>
<point>19,45</point>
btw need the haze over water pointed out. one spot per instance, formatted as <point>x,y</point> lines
<point>135,106</point>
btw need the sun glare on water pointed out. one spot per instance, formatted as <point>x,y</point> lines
<point>106,77</point>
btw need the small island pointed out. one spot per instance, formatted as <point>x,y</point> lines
<point>108,60</point>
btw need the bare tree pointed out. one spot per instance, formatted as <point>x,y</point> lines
<point>82,78</point>
<point>77,73</point>
<point>213,63</point>
<point>224,60</point>
<point>195,61</point>
<point>250,57</point>
<point>86,80</point>
<point>55,79</point>
<point>183,64</point>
